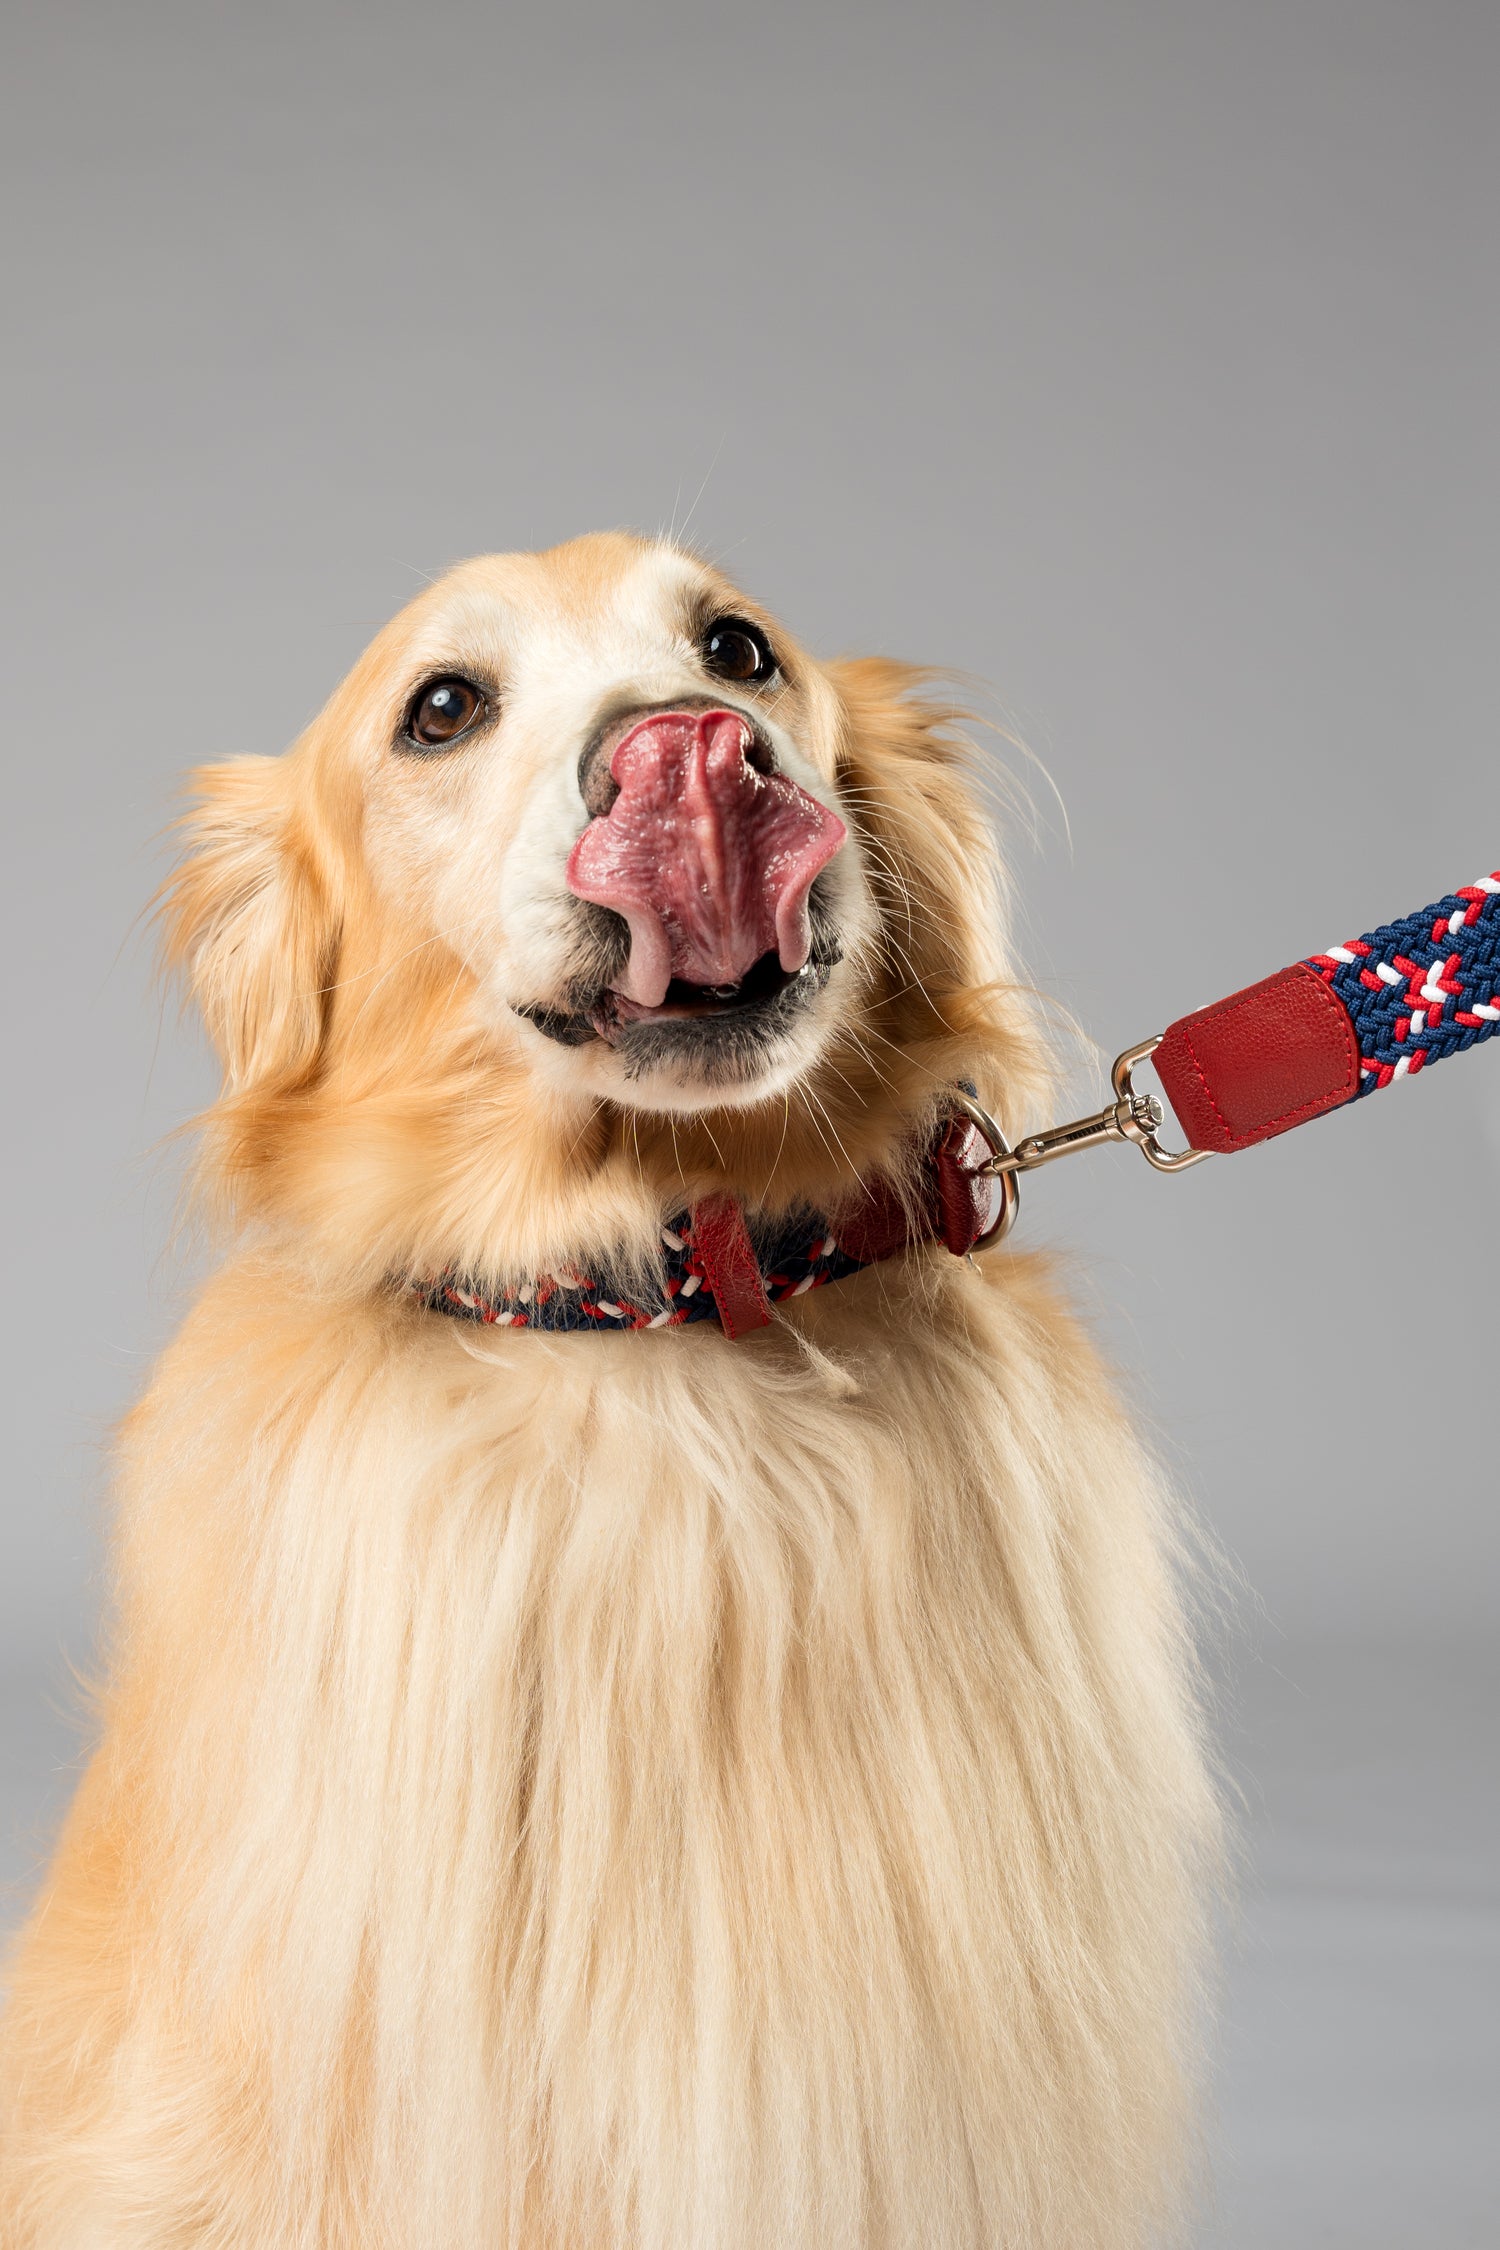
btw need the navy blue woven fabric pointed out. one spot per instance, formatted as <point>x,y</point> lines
<point>794,1258</point>
<point>1423,988</point>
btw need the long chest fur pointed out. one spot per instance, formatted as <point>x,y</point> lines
<point>645,1790</point>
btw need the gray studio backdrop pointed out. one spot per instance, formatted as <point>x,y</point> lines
<point>1139,358</point>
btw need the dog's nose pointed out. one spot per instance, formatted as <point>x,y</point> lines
<point>659,738</point>
<point>719,750</point>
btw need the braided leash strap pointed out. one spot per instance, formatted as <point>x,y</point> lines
<point>1421,989</point>
<point>1337,1024</point>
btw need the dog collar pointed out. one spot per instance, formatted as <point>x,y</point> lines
<point>719,1262</point>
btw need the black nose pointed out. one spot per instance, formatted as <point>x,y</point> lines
<point>598,787</point>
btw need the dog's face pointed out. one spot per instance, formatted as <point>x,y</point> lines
<point>587,882</point>
<point>609,784</point>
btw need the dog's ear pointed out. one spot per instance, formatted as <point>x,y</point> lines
<point>249,917</point>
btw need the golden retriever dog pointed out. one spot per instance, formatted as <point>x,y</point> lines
<point>574,1772</point>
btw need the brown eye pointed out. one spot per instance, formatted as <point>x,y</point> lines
<point>737,651</point>
<point>442,711</point>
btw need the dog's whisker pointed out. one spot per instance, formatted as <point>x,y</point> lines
<point>707,1130</point>
<point>833,1145</point>
<point>850,1032</point>
<point>379,969</point>
<point>906,1053</point>
<point>703,487</point>
<point>786,1119</point>
<point>838,1138</point>
<point>389,971</point>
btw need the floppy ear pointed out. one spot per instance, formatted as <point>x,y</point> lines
<point>247,915</point>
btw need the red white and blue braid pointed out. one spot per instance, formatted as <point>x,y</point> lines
<point>1423,988</point>
<point>793,1259</point>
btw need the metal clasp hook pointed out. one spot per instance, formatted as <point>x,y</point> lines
<point>1129,1117</point>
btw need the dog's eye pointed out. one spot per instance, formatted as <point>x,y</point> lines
<point>737,651</point>
<point>442,711</point>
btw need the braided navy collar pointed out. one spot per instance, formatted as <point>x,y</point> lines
<point>801,1255</point>
<point>722,1264</point>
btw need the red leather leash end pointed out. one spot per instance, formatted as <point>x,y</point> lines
<point>1260,1062</point>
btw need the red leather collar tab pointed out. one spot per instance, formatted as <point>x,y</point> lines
<point>957,1212</point>
<point>1260,1062</point>
<point>965,1194</point>
<point>729,1261</point>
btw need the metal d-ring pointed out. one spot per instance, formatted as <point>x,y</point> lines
<point>1000,1167</point>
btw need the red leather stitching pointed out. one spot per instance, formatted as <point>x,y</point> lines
<point>1192,1056</point>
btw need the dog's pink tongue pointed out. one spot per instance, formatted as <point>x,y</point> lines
<point>709,861</point>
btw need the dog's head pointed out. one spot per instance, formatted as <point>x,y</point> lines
<point>587,855</point>
<point>611,788</point>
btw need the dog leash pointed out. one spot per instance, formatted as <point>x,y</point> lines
<point>1328,1030</point>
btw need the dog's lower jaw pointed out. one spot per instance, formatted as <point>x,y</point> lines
<point>748,1017</point>
<point>637,1791</point>
<point>683,1063</point>
<point>720,1039</point>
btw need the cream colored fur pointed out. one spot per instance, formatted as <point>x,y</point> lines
<point>576,1792</point>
